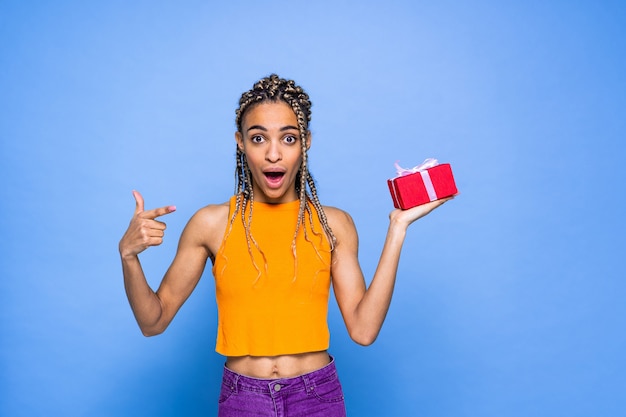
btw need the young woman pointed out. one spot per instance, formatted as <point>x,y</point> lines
<point>275,252</point>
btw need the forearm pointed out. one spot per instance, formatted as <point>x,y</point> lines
<point>372,310</point>
<point>145,304</point>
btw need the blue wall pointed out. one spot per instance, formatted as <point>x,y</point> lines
<point>510,299</point>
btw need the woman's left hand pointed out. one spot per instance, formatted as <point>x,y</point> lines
<point>409,216</point>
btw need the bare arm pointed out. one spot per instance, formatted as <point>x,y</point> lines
<point>155,310</point>
<point>364,309</point>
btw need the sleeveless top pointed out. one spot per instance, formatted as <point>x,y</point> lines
<point>272,299</point>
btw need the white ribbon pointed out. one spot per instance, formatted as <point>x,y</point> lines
<point>430,189</point>
<point>428,163</point>
<point>422,169</point>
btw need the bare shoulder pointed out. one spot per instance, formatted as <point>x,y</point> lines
<point>207,226</point>
<point>339,221</point>
<point>211,215</point>
<point>346,241</point>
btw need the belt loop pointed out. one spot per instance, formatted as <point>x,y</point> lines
<point>308,386</point>
<point>236,383</point>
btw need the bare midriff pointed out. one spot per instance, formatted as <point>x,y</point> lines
<point>274,367</point>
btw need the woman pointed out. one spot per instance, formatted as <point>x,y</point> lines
<point>275,251</point>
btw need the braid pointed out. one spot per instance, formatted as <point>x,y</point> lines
<point>320,212</point>
<point>274,89</point>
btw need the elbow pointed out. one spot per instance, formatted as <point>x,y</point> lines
<point>151,328</point>
<point>364,338</point>
<point>364,341</point>
<point>151,331</point>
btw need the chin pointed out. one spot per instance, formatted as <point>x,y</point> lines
<point>276,196</point>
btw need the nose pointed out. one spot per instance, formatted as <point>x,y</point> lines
<point>273,153</point>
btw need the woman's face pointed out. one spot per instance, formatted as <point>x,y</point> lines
<point>271,141</point>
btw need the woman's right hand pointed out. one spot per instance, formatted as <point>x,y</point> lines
<point>143,230</point>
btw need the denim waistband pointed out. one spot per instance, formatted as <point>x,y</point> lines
<point>237,382</point>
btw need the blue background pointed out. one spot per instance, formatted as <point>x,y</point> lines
<point>510,299</point>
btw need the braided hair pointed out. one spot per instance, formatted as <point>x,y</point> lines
<point>274,89</point>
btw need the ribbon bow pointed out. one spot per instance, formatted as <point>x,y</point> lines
<point>428,163</point>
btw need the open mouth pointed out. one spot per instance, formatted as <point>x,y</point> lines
<point>274,177</point>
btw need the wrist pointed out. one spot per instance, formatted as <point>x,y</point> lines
<point>397,222</point>
<point>128,256</point>
<point>397,227</point>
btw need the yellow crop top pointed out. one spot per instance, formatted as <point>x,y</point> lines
<point>279,306</point>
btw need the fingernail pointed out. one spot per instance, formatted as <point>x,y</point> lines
<point>172,208</point>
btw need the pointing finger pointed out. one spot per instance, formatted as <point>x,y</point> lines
<point>154,213</point>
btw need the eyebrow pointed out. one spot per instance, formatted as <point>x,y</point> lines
<point>264,129</point>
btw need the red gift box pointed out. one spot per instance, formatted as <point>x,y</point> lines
<point>420,187</point>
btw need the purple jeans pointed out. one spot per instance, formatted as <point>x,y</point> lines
<point>316,394</point>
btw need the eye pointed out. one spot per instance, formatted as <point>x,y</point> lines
<point>290,139</point>
<point>256,139</point>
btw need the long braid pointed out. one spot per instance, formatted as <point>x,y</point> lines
<point>274,89</point>
<point>320,211</point>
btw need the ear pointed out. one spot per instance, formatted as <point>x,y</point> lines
<point>308,140</point>
<point>239,139</point>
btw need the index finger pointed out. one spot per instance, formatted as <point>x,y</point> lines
<point>157,212</point>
